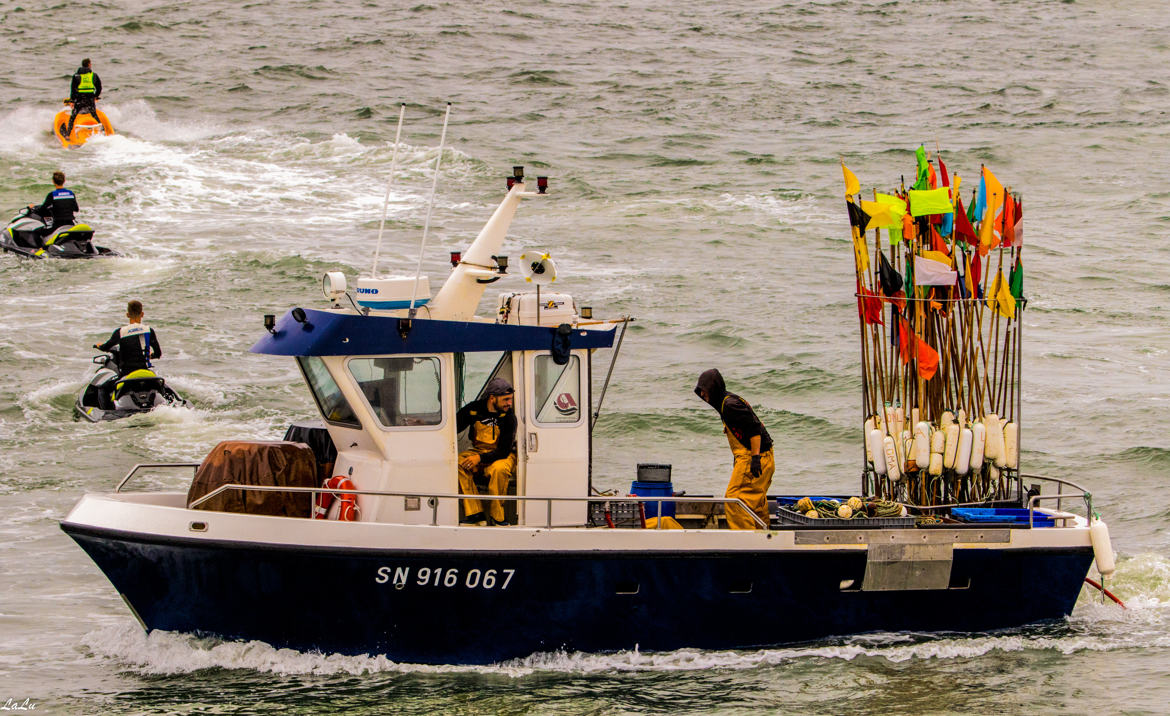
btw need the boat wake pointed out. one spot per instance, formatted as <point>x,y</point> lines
<point>1143,582</point>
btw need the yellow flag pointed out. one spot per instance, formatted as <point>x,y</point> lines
<point>852,186</point>
<point>988,234</point>
<point>999,297</point>
<point>939,256</point>
<point>880,216</point>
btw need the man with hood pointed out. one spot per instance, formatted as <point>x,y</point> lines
<point>491,427</point>
<point>84,92</point>
<point>751,450</point>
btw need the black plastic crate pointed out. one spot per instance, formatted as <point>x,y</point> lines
<point>791,517</point>
<point>653,472</point>
<point>617,513</point>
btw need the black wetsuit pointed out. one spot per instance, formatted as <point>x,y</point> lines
<point>137,345</point>
<point>83,99</point>
<point>61,204</point>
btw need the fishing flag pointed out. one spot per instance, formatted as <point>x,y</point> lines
<point>923,180</point>
<point>931,272</point>
<point>963,266</point>
<point>942,169</point>
<point>1019,229</point>
<point>857,217</point>
<point>889,279</point>
<point>852,186</point>
<point>993,191</point>
<point>927,359</point>
<point>930,201</point>
<point>1007,224</point>
<point>963,228</point>
<point>869,305</point>
<point>937,243</point>
<point>897,209</point>
<point>1016,280</point>
<point>999,297</point>
<point>881,216</point>
<point>976,274</point>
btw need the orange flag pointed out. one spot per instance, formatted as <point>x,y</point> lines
<point>927,359</point>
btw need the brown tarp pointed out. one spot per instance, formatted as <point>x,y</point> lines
<point>239,462</point>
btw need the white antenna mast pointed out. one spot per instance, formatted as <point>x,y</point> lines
<point>430,207</point>
<point>389,184</point>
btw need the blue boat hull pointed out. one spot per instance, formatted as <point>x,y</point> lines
<point>482,607</point>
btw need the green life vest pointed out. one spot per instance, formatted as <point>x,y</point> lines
<point>85,84</point>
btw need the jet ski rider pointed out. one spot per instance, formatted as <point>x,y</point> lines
<point>491,426</point>
<point>134,344</point>
<point>84,92</point>
<point>60,203</point>
<point>751,449</point>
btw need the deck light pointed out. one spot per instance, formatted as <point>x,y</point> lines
<point>586,311</point>
<point>298,315</point>
<point>542,185</point>
<point>270,323</point>
<point>501,263</point>
<point>456,258</point>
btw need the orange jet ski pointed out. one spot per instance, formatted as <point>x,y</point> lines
<point>83,128</point>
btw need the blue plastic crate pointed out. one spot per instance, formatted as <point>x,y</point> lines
<point>1002,515</point>
<point>654,489</point>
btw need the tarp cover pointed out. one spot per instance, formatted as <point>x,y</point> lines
<point>239,462</point>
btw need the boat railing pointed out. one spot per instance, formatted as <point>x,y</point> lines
<point>1060,496</point>
<point>433,499</point>
<point>142,466</point>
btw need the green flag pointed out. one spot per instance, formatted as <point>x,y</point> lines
<point>931,201</point>
<point>923,180</point>
<point>1016,281</point>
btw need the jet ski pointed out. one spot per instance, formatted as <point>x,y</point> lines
<point>84,127</point>
<point>65,242</point>
<point>109,396</point>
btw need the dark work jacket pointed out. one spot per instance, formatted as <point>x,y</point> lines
<point>61,204</point>
<point>484,423</point>
<point>132,341</point>
<point>738,417</point>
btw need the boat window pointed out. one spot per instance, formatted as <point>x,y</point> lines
<point>557,390</point>
<point>332,404</point>
<point>402,391</point>
<point>474,370</point>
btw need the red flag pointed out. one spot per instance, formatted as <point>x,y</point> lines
<point>976,271</point>
<point>937,243</point>
<point>869,305</point>
<point>927,359</point>
<point>904,333</point>
<point>942,169</point>
<point>1008,231</point>
<point>963,228</point>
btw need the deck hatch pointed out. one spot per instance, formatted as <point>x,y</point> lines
<point>902,567</point>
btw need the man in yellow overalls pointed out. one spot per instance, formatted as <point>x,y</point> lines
<point>491,427</point>
<point>751,450</point>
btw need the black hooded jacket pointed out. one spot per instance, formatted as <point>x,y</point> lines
<point>97,86</point>
<point>738,416</point>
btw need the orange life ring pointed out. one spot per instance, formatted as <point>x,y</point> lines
<point>348,511</point>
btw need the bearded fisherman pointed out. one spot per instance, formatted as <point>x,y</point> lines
<point>84,92</point>
<point>751,450</point>
<point>491,427</point>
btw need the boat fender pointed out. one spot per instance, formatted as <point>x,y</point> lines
<point>978,442</point>
<point>892,464</point>
<point>869,427</point>
<point>961,419</point>
<point>914,419</point>
<point>951,446</point>
<point>908,463</point>
<point>936,464</point>
<point>891,419</point>
<point>899,421</point>
<point>1102,547</point>
<point>963,454</point>
<point>992,472</point>
<point>938,441</point>
<point>922,444</point>
<point>1011,445</point>
<point>948,418</point>
<point>993,438</point>
<point>348,511</point>
<point>876,451</point>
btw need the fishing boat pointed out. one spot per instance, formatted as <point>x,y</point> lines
<point>255,551</point>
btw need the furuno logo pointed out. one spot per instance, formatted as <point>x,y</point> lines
<point>367,290</point>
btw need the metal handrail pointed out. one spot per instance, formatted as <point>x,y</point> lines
<point>134,470</point>
<point>433,499</point>
<point>1060,496</point>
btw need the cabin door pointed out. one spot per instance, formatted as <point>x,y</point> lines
<point>553,438</point>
